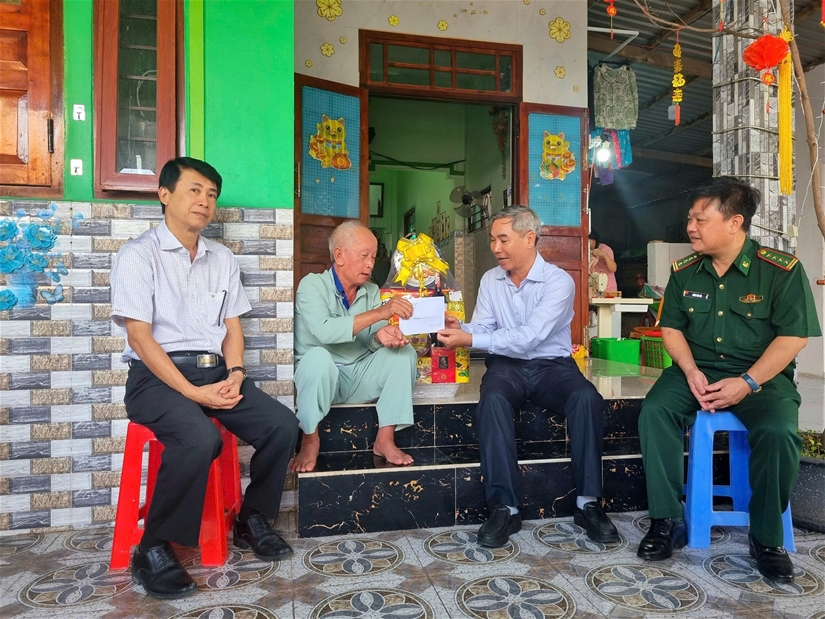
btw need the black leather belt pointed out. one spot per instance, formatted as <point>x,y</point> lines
<point>197,358</point>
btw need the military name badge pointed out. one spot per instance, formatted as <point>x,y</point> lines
<point>751,298</point>
<point>695,295</point>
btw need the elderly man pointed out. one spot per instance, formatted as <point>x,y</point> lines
<point>179,297</point>
<point>346,352</point>
<point>735,317</point>
<point>522,319</point>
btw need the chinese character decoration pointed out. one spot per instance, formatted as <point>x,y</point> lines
<point>611,10</point>
<point>762,55</point>
<point>678,81</point>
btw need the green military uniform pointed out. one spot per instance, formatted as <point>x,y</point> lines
<point>728,322</point>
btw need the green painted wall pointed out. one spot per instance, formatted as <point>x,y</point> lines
<point>249,99</point>
<point>239,96</point>
<point>77,88</point>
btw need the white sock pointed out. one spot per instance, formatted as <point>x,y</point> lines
<point>513,510</point>
<point>581,501</point>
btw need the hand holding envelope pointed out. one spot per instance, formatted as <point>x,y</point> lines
<point>427,316</point>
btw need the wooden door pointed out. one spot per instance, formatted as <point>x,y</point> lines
<point>25,93</point>
<point>551,167</point>
<point>331,159</point>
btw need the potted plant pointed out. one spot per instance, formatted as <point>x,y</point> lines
<point>808,496</point>
<point>27,258</point>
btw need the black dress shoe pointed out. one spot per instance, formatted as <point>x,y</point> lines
<point>256,534</point>
<point>664,535</point>
<point>773,563</point>
<point>595,522</point>
<point>161,574</point>
<point>499,527</point>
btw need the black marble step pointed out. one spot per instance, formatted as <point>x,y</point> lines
<point>351,490</point>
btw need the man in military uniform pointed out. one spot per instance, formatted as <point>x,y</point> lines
<point>735,316</point>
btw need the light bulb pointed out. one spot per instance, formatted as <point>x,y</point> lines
<point>603,153</point>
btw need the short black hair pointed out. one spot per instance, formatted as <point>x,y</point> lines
<point>170,174</point>
<point>735,197</point>
<point>595,236</point>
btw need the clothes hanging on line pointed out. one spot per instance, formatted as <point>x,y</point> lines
<point>615,97</point>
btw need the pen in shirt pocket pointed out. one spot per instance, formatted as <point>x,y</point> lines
<point>220,311</point>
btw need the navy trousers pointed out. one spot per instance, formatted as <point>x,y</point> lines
<point>553,384</point>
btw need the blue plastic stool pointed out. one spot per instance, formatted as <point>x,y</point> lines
<point>699,491</point>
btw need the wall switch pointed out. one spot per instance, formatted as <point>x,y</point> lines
<point>76,167</point>
<point>79,111</point>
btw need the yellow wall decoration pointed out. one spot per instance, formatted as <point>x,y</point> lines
<point>542,11</point>
<point>343,40</point>
<point>327,49</point>
<point>442,25</point>
<point>393,20</point>
<point>561,72</point>
<point>559,29</point>
<point>329,9</point>
<point>308,63</point>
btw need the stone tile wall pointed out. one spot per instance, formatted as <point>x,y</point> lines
<point>62,418</point>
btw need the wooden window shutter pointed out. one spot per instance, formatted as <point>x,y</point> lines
<point>25,93</point>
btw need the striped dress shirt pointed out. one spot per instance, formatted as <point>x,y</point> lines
<point>186,301</point>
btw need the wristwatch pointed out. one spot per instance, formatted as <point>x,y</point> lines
<point>755,387</point>
<point>237,368</point>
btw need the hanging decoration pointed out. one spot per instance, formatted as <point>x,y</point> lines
<point>678,81</point>
<point>785,96</point>
<point>721,15</point>
<point>612,11</point>
<point>764,54</point>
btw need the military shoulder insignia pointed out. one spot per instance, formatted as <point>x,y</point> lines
<point>777,258</point>
<point>680,264</point>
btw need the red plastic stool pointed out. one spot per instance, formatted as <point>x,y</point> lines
<point>223,496</point>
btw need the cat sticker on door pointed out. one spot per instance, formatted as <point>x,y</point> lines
<point>328,145</point>
<point>557,161</point>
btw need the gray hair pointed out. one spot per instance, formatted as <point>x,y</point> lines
<point>343,235</point>
<point>524,219</point>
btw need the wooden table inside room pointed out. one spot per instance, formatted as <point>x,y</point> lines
<point>609,313</point>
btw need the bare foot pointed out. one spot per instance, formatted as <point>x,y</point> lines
<point>385,447</point>
<point>305,461</point>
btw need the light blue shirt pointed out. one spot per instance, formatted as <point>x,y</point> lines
<point>528,322</point>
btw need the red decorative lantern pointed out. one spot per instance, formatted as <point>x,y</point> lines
<point>766,52</point>
<point>612,11</point>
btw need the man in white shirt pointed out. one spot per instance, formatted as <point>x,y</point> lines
<point>179,297</point>
<point>522,319</point>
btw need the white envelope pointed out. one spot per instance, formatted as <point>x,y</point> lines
<point>428,316</point>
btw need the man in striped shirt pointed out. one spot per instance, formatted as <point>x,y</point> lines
<point>179,298</point>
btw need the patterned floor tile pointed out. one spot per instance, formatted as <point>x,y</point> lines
<point>548,570</point>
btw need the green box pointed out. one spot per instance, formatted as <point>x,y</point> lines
<point>654,354</point>
<point>612,349</point>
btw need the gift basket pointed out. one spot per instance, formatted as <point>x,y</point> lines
<point>417,269</point>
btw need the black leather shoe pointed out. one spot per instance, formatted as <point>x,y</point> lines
<point>664,535</point>
<point>499,527</point>
<point>161,574</point>
<point>256,534</point>
<point>773,563</point>
<point>595,522</point>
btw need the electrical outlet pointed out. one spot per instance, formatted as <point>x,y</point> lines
<point>79,111</point>
<point>76,167</point>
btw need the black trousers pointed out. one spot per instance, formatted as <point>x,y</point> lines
<point>554,384</point>
<point>191,442</point>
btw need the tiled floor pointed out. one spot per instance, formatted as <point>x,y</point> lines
<point>549,570</point>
